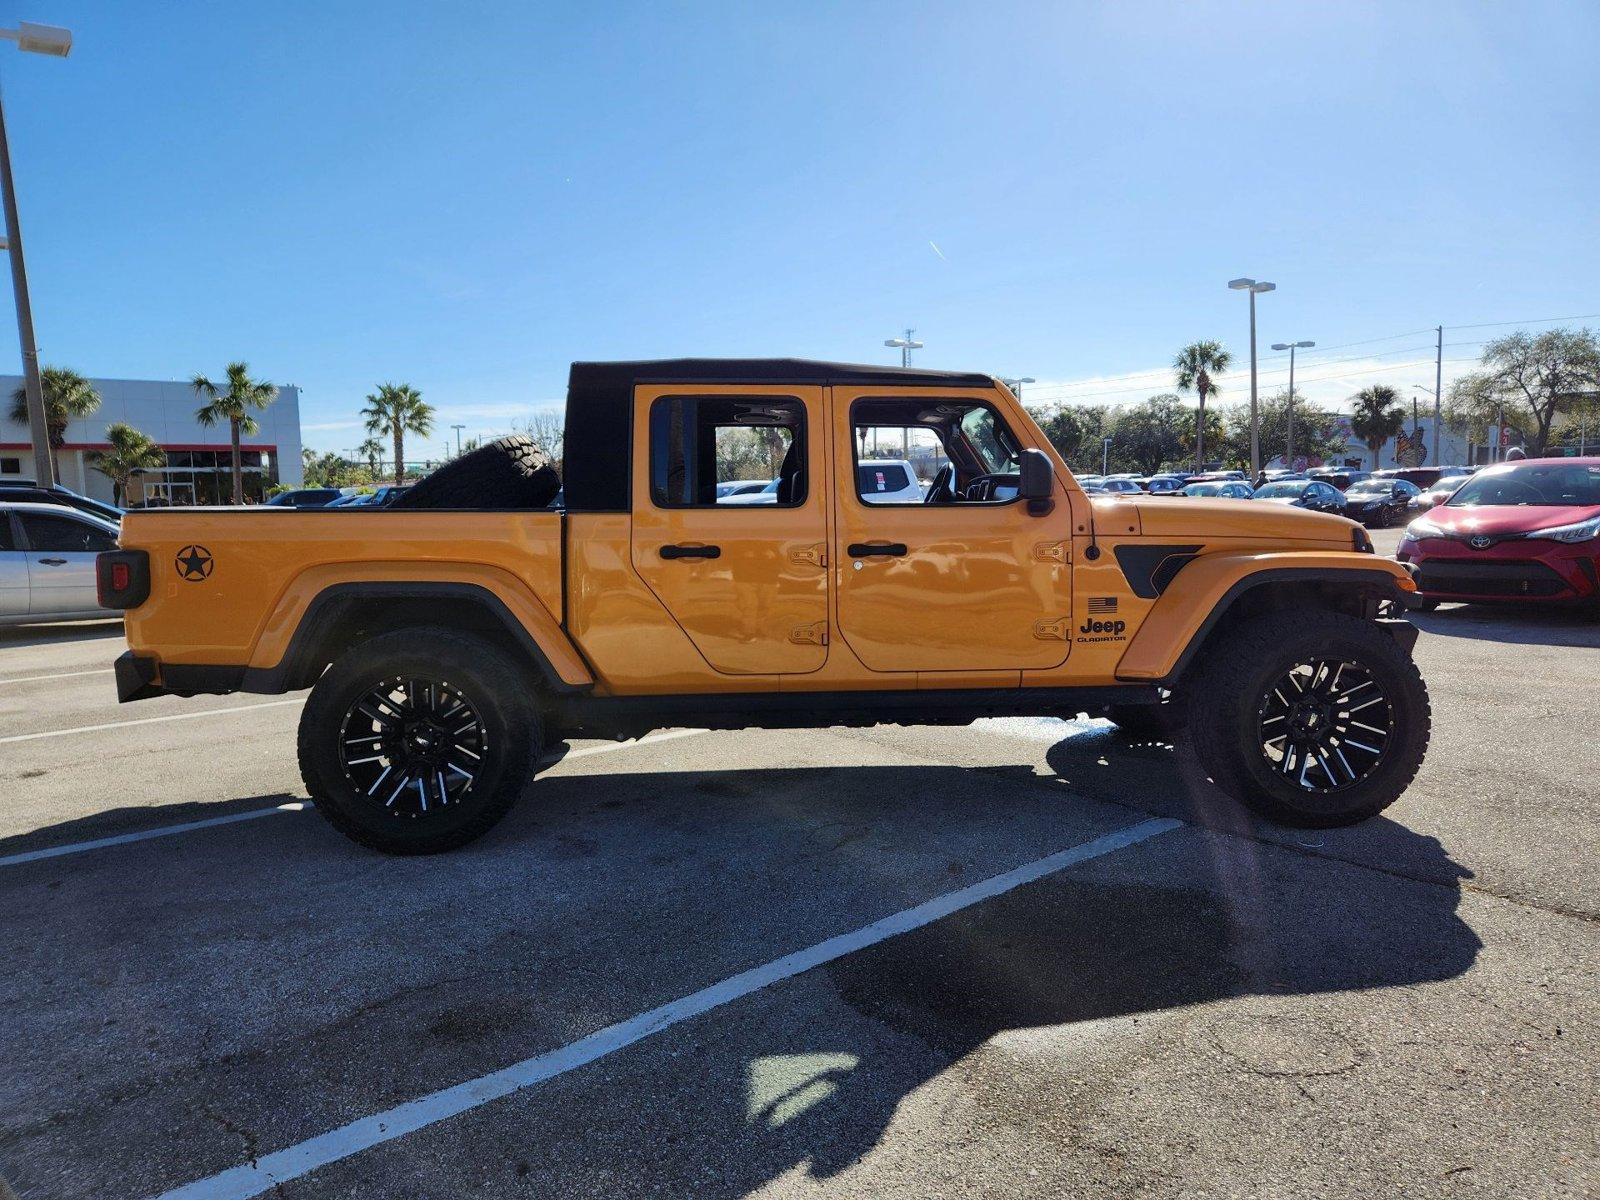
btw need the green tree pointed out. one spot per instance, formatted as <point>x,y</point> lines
<point>1316,432</point>
<point>66,395</point>
<point>372,451</point>
<point>398,409</point>
<point>1075,431</point>
<point>1530,379</point>
<point>1153,433</point>
<point>236,404</point>
<point>131,452</point>
<point>1376,417</point>
<point>1196,366</point>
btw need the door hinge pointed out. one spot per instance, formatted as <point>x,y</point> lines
<point>1052,630</point>
<point>815,555</point>
<point>815,634</point>
<point>1051,552</point>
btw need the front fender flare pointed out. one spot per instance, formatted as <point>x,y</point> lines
<point>1204,590</point>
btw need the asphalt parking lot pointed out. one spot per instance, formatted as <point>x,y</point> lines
<point>1190,1005</point>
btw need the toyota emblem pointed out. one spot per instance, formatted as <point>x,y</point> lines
<point>1480,541</point>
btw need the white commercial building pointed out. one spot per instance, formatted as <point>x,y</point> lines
<point>199,459</point>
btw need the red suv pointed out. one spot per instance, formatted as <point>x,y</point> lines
<point>1528,530</point>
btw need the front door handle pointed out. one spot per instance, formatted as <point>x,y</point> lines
<point>877,549</point>
<point>54,562</point>
<point>691,552</point>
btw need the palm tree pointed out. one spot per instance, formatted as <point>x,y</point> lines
<point>1377,417</point>
<point>372,451</point>
<point>66,395</point>
<point>399,409</point>
<point>234,406</point>
<point>130,453</point>
<point>1195,366</point>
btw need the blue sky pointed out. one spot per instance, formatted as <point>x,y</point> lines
<point>466,197</point>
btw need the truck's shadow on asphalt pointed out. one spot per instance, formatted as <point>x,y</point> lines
<point>1185,920</point>
<point>812,1074</point>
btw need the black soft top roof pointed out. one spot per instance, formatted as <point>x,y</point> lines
<point>590,378</point>
<point>598,450</point>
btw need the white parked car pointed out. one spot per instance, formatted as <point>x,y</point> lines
<point>741,487</point>
<point>47,554</point>
<point>888,481</point>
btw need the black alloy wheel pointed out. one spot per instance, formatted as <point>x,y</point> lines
<point>419,740</point>
<point>1324,725</point>
<point>412,745</point>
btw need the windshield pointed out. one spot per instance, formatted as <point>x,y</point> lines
<point>988,441</point>
<point>1368,485</point>
<point>1546,485</point>
<point>1203,489</point>
<point>1270,491</point>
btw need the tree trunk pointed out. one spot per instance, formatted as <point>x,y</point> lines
<point>1200,431</point>
<point>399,454</point>
<point>238,466</point>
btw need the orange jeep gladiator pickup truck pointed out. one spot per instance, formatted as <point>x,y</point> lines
<point>449,638</point>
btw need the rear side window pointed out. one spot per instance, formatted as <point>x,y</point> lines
<point>877,478</point>
<point>7,542</point>
<point>699,442</point>
<point>63,535</point>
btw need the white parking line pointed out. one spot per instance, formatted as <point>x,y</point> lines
<point>63,675</point>
<point>280,1166</point>
<point>193,716</point>
<point>121,839</point>
<point>160,831</point>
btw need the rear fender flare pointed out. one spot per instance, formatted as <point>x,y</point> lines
<point>290,644</point>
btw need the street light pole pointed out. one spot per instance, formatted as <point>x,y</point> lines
<point>1253,286</point>
<point>1438,392</point>
<point>36,39</point>
<point>1105,456</point>
<point>906,345</point>
<point>1291,347</point>
<point>1016,385</point>
<point>458,429</point>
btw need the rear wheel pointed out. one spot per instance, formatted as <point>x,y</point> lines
<point>418,741</point>
<point>1315,719</point>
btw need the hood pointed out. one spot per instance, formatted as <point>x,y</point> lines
<point>1501,519</point>
<point>1192,517</point>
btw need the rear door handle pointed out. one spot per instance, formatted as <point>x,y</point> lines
<point>691,552</point>
<point>877,549</point>
<point>54,562</point>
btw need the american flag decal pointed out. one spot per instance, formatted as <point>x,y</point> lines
<point>1101,605</point>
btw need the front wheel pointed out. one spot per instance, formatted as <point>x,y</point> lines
<point>418,741</point>
<point>1316,719</point>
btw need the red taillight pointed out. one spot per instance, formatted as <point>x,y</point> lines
<point>121,577</point>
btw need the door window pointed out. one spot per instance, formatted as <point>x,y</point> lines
<point>701,444</point>
<point>7,542</point>
<point>64,535</point>
<point>941,450</point>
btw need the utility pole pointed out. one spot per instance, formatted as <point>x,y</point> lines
<point>37,39</point>
<point>1291,347</point>
<point>1438,392</point>
<point>906,345</point>
<point>458,429</point>
<point>1105,455</point>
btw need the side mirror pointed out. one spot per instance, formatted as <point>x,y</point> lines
<point>1038,481</point>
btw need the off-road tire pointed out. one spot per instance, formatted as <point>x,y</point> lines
<point>468,667</point>
<point>509,473</point>
<point>1237,678</point>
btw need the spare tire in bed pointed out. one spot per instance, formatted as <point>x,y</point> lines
<point>509,472</point>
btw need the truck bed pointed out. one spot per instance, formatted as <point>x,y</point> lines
<point>229,586</point>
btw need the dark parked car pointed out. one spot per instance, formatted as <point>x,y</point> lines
<point>27,491</point>
<point>1341,479</point>
<point>1164,485</point>
<point>1303,493</point>
<point>306,498</point>
<point>1378,502</point>
<point>1418,477</point>
<point>381,498</point>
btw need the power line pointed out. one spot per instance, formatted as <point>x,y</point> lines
<point>1539,321</point>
